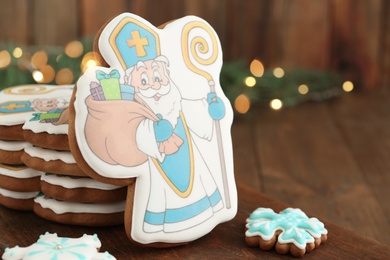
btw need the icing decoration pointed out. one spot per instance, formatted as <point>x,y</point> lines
<point>18,104</point>
<point>12,145</point>
<point>158,113</point>
<point>61,207</point>
<point>50,155</point>
<point>18,171</point>
<point>295,226</point>
<point>18,194</point>
<point>73,183</point>
<point>50,246</point>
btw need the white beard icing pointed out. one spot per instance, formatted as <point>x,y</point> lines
<point>169,105</point>
<point>62,103</point>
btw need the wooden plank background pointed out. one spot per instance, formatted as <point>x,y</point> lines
<point>351,36</point>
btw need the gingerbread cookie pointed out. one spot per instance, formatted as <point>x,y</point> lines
<point>157,114</point>
<point>18,186</point>
<point>49,129</point>
<point>18,104</point>
<point>47,160</point>
<point>289,231</point>
<point>77,213</point>
<point>17,200</point>
<point>50,246</point>
<point>80,189</point>
<point>19,178</point>
<point>11,151</point>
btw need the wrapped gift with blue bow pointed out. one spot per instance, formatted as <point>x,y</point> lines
<point>110,84</point>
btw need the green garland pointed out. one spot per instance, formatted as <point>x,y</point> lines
<point>321,84</point>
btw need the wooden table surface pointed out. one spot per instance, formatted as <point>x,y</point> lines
<point>331,159</point>
<point>226,241</point>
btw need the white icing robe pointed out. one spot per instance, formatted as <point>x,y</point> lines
<point>183,192</point>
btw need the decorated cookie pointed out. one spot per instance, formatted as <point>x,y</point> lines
<point>19,178</point>
<point>19,185</point>
<point>80,189</point>
<point>18,104</point>
<point>11,151</point>
<point>77,213</point>
<point>289,231</point>
<point>47,160</point>
<point>50,246</point>
<point>157,114</point>
<point>17,200</point>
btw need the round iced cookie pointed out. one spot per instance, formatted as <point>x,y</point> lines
<point>50,131</point>
<point>81,189</point>
<point>50,246</point>
<point>19,178</point>
<point>77,213</point>
<point>19,103</point>
<point>47,160</point>
<point>11,151</point>
<point>17,200</point>
<point>290,231</point>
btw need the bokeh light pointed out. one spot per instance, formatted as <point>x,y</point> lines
<point>39,59</point>
<point>278,72</point>
<point>256,68</point>
<point>303,89</point>
<point>38,76</point>
<point>64,76</point>
<point>276,104</point>
<point>48,73</point>
<point>348,86</point>
<point>74,49</point>
<point>242,104</point>
<point>5,59</point>
<point>88,61</point>
<point>250,81</point>
<point>18,52</point>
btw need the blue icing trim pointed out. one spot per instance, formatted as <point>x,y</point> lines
<point>295,225</point>
<point>297,236</point>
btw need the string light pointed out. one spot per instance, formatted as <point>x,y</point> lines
<point>276,104</point>
<point>242,104</point>
<point>48,74</point>
<point>88,61</point>
<point>256,68</point>
<point>303,89</point>
<point>278,72</point>
<point>18,52</point>
<point>74,49</point>
<point>39,59</point>
<point>250,81</point>
<point>58,58</point>
<point>348,86</point>
<point>37,76</point>
<point>5,59</point>
<point>64,76</point>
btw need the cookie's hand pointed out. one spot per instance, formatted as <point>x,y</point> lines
<point>216,106</point>
<point>162,129</point>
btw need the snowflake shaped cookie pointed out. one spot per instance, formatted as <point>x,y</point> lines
<point>50,246</point>
<point>289,231</point>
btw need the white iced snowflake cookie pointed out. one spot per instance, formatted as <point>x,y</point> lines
<point>289,231</point>
<point>50,246</point>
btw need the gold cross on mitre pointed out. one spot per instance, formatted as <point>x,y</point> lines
<point>138,42</point>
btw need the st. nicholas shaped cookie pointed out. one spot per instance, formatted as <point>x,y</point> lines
<point>157,120</point>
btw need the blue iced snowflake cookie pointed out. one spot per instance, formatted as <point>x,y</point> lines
<point>291,230</point>
<point>50,246</point>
